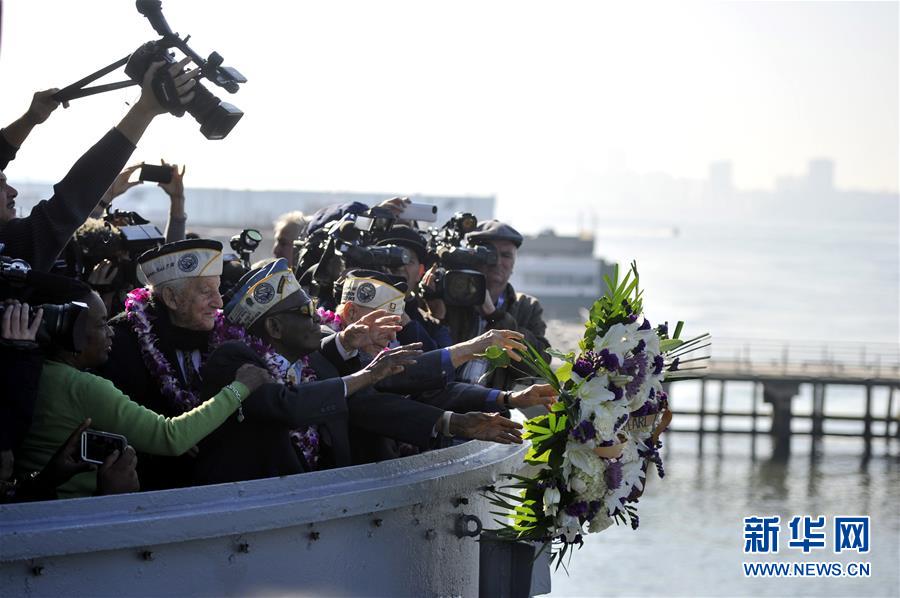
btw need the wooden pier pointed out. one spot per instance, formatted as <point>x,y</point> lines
<point>777,373</point>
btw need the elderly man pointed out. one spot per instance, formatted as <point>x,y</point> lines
<point>161,337</point>
<point>503,308</point>
<point>271,304</point>
<point>432,379</point>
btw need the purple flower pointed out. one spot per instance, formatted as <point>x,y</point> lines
<point>636,367</point>
<point>645,325</point>
<point>578,509</point>
<point>613,474</point>
<point>583,368</point>
<point>658,363</point>
<point>608,360</point>
<point>674,366</point>
<point>616,390</point>
<point>639,348</point>
<point>584,431</point>
<point>663,329</point>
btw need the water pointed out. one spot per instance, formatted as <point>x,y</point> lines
<point>818,282</point>
<point>690,540</point>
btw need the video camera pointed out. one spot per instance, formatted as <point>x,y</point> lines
<point>457,281</point>
<point>137,235</point>
<point>61,325</point>
<point>343,244</point>
<point>216,118</point>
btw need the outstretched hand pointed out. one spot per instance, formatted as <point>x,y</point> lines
<point>486,426</point>
<point>377,328</point>
<point>391,362</point>
<point>536,394</point>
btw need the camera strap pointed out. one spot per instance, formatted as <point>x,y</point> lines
<point>166,92</point>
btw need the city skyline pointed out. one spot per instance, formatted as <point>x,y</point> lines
<point>522,102</point>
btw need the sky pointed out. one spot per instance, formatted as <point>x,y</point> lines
<point>516,99</point>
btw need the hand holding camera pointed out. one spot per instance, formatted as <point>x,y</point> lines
<point>15,323</point>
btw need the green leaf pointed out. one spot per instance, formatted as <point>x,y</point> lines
<point>669,344</point>
<point>678,328</point>
<point>564,372</point>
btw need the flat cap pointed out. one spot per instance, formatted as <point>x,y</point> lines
<point>494,230</point>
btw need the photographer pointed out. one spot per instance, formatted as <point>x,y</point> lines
<point>41,236</point>
<point>20,362</point>
<point>503,308</point>
<point>418,325</point>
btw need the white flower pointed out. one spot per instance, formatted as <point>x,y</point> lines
<point>551,501</point>
<point>581,456</point>
<point>598,400</point>
<point>651,341</point>
<point>618,340</point>
<point>568,526</point>
<point>600,522</point>
<point>576,485</point>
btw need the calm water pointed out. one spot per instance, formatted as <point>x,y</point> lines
<point>690,541</point>
<point>807,282</point>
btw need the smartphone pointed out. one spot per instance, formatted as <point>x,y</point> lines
<point>96,446</point>
<point>420,212</point>
<point>156,174</point>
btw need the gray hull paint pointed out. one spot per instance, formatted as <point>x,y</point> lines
<point>383,529</point>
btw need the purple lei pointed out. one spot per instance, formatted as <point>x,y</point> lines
<point>330,319</point>
<point>182,399</point>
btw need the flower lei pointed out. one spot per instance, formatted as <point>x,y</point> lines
<point>330,319</point>
<point>182,399</point>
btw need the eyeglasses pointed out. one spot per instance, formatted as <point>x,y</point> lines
<point>308,309</point>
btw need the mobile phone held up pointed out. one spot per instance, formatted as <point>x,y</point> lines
<point>156,174</point>
<point>96,446</point>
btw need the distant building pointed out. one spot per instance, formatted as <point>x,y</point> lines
<point>549,266</point>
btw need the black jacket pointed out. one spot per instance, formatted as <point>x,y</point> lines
<point>41,236</point>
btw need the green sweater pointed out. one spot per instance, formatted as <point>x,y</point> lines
<point>67,396</point>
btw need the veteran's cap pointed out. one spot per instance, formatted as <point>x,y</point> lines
<point>183,259</point>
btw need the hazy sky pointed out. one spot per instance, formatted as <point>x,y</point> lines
<point>513,98</point>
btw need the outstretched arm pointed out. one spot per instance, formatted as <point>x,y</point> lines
<point>14,135</point>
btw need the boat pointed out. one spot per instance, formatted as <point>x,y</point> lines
<point>404,527</point>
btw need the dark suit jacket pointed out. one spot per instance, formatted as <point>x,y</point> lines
<point>377,418</point>
<point>426,381</point>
